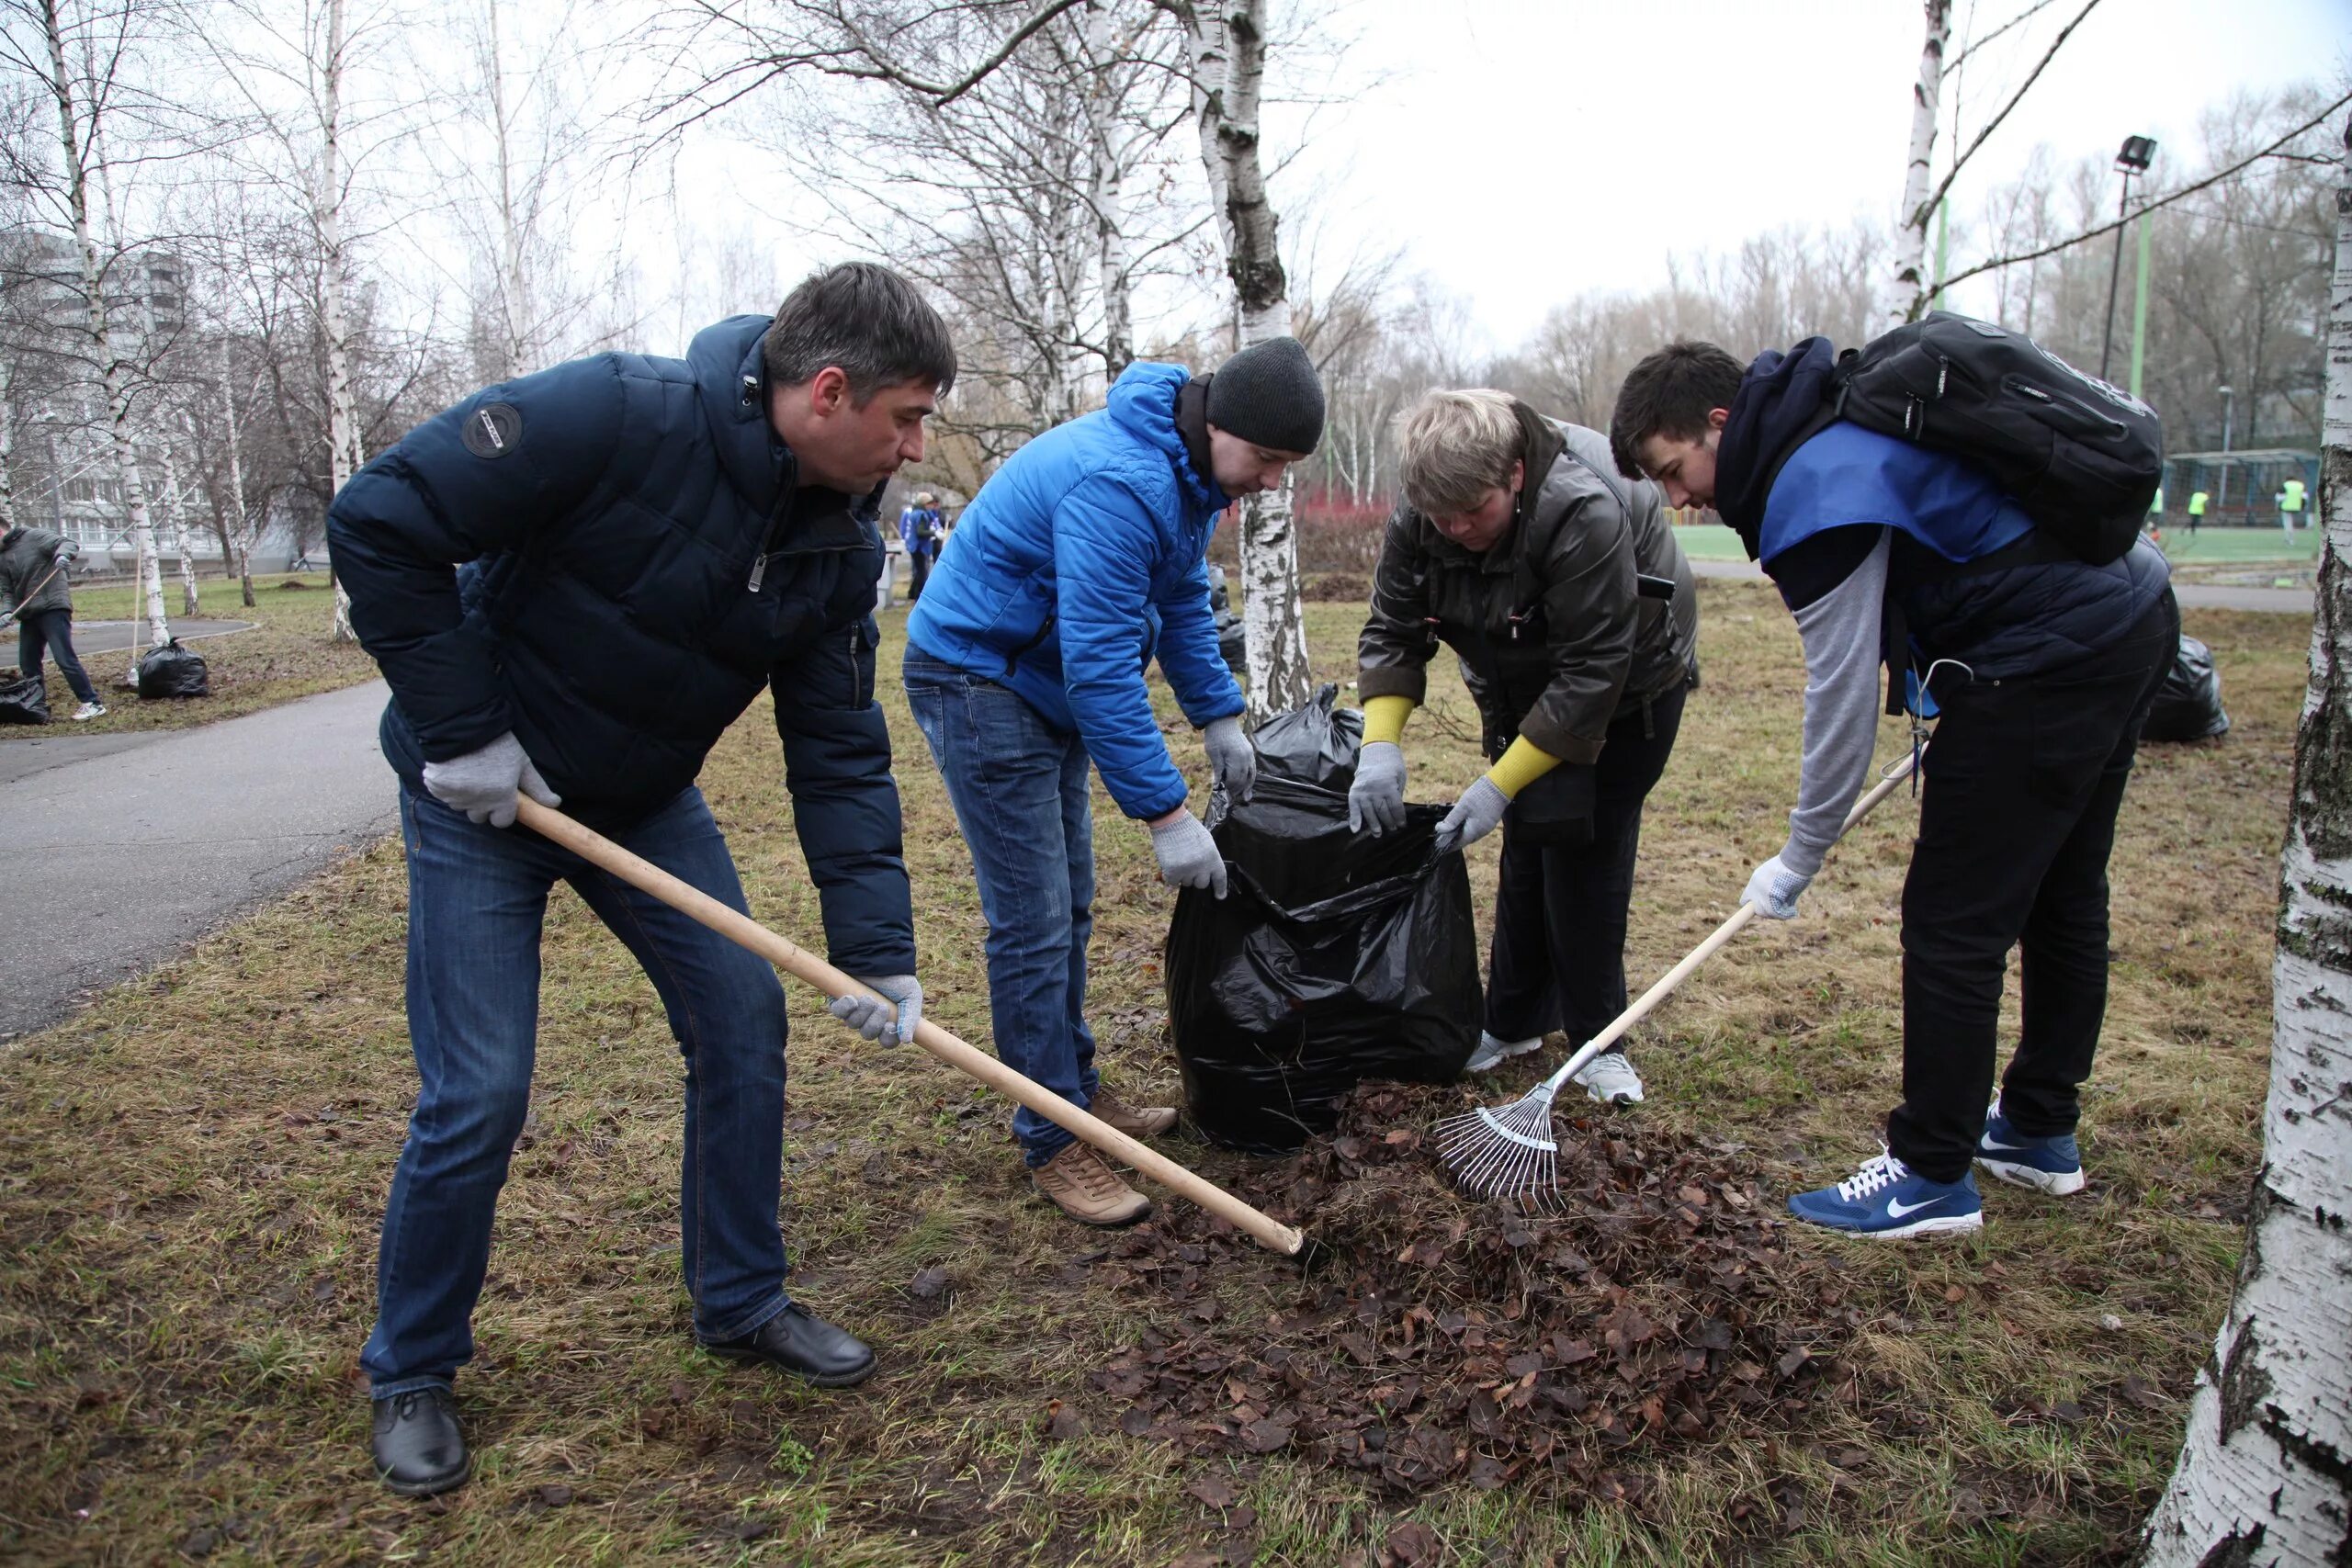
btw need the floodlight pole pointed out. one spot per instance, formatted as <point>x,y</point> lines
<point>2138,152</point>
<point>2229,413</point>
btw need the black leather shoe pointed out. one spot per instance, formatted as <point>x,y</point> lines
<point>418,1447</point>
<point>804,1345</point>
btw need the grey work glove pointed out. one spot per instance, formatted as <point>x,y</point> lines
<point>1187,855</point>
<point>482,783</point>
<point>1475,814</point>
<point>1233,762</point>
<point>889,1021</point>
<point>1376,800</point>
<point>1773,889</point>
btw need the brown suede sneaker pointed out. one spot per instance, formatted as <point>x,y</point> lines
<point>1135,1121</point>
<point>1088,1191</point>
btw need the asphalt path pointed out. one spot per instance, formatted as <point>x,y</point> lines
<point>2192,595</point>
<point>205,823</point>
<point>115,637</point>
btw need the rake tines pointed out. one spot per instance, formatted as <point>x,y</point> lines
<point>1506,1152</point>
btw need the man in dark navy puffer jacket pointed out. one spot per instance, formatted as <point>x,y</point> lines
<point>574,582</point>
<point>2043,666</point>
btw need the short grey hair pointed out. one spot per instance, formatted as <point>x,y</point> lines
<point>869,322</point>
<point>1453,448</point>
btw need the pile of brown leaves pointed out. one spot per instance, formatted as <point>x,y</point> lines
<point>1440,1341</point>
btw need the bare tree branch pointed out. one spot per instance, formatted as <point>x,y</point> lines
<point>1974,45</point>
<point>1994,123</point>
<point>2166,200</point>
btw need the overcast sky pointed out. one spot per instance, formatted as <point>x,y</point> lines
<point>1524,151</point>
<point>1521,152</point>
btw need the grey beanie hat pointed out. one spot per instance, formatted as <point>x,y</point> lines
<point>1270,395</point>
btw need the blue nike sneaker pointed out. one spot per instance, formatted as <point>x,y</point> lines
<point>2048,1165</point>
<point>1887,1198</point>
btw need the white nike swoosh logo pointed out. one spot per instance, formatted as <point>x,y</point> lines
<point>1898,1210</point>
<point>2009,1148</point>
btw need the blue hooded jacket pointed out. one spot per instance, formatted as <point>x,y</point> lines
<point>1085,554</point>
<point>638,562</point>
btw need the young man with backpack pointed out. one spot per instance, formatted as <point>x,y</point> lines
<point>2041,656</point>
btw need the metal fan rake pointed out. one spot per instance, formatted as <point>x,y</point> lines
<point>1510,1152</point>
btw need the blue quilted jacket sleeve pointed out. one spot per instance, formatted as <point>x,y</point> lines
<point>1188,651</point>
<point>844,802</point>
<point>1104,537</point>
<point>401,526</point>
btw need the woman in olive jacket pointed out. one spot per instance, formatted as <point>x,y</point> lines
<point>1558,584</point>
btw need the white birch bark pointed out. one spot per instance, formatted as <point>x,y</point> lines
<point>8,448</point>
<point>1907,286</point>
<point>113,374</point>
<point>516,318</point>
<point>240,542</point>
<point>176,513</point>
<point>2266,1469</point>
<point>343,417</point>
<point>1228,50</point>
<point>1107,194</point>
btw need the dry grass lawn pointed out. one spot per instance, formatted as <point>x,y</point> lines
<point>284,656</point>
<point>191,1173</point>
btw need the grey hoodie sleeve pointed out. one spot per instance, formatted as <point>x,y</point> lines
<point>1841,632</point>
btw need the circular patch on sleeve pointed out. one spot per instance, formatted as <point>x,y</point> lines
<point>492,430</point>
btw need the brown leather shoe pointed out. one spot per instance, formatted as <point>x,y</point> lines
<point>1088,1191</point>
<point>1135,1121</point>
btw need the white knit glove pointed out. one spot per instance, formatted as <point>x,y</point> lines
<point>888,1021</point>
<point>482,783</point>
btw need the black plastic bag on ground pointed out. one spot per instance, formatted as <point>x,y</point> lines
<point>2189,704</point>
<point>172,670</point>
<point>1334,958</point>
<point>23,700</point>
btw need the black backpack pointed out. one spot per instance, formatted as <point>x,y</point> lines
<point>2082,458</point>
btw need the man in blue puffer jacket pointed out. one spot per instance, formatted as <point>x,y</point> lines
<point>1081,558</point>
<point>645,545</point>
<point>2043,667</point>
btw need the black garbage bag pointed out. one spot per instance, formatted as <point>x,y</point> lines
<point>172,670</point>
<point>2189,704</point>
<point>23,700</point>
<point>1334,957</point>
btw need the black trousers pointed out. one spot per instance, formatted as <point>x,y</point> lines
<point>918,573</point>
<point>1559,952</point>
<point>2017,818</point>
<point>53,628</point>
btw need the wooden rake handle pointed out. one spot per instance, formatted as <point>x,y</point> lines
<point>697,904</point>
<point>1649,1000</point>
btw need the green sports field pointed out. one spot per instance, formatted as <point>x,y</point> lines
<point>1714,541</point>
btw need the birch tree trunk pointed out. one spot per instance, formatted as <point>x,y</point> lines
<point>7,449</point>
<point>240,546</point>
<point>1906,287</point>
<point>111,370</point>
<point>2265,1470</point>
<point>343,415</point>
<point>176,513</point>
<point>515,318</point>
<point>1228,48</point>
<point>1107,196</point>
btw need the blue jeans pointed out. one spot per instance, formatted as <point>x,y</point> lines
<point>476,896</point>
<point>1019,787</point>
<point>54,630</point>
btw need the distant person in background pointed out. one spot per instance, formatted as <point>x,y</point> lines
<point>2291,505</point>
<point>919,532</point>
<point>41,602</point>
<point>2197,502</point>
